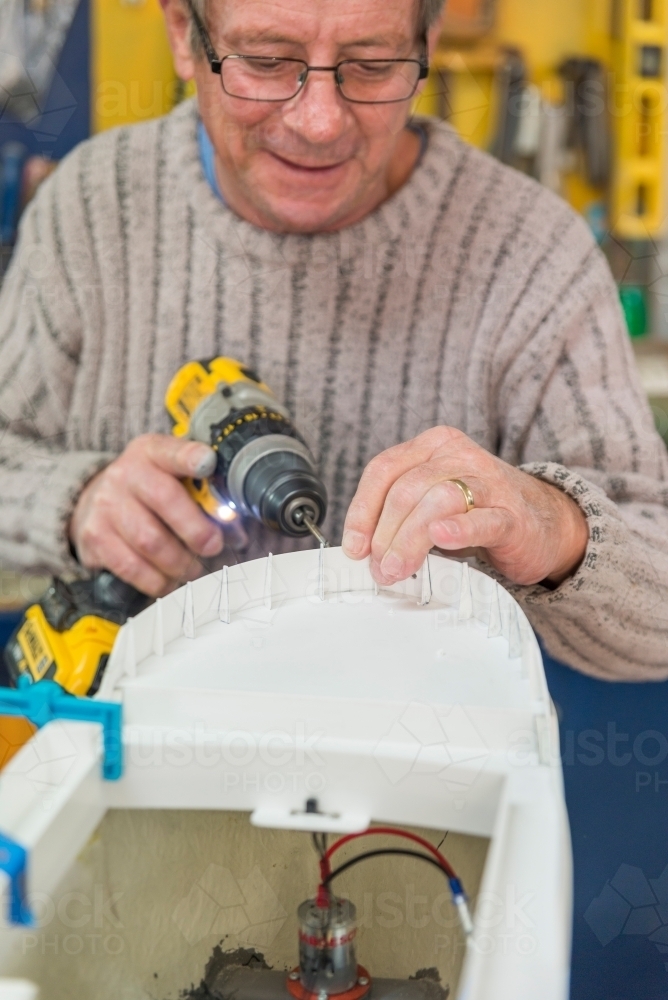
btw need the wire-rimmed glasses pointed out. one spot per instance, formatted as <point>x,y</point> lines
<point>276,79</point>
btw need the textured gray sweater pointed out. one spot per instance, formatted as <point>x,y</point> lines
<point>472,297</point>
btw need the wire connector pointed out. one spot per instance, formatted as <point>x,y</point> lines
<point>461,905</point>
<point>322,899</point>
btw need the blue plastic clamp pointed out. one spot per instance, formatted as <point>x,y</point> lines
<point>13,861</point>
<point>41,703</point>
<point>46,700</point>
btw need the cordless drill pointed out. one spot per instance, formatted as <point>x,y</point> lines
<point>264,470</point>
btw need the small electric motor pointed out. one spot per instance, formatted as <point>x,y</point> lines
<point>327,960</point>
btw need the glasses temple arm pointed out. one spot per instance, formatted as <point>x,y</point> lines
<point>213,59</point>
<point>424,58</point>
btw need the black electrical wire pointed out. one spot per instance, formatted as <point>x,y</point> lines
<point>324,958</point>
<point>320,845</point>
<point>383,851</point>
<point>437,861</point>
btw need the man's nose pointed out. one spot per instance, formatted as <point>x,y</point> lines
<point>317,113</point>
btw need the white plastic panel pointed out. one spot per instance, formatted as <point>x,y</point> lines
<point>18,989</point>
<point>291,678</point>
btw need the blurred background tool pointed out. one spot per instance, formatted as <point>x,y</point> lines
<point>575,95</point>
<point>511,81</point>
<point>586,105</point>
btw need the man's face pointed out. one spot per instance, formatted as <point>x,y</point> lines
<point>317,161</point>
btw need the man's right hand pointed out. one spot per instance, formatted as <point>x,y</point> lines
<point>137,520</point>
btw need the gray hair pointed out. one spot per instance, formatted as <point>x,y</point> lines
<point>429,11</point>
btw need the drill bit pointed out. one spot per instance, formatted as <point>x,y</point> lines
<point>315,531</point>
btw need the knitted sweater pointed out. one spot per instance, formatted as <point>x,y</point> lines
<point>472,297</point>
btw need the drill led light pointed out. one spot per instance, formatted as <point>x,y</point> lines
<point>226,512</point>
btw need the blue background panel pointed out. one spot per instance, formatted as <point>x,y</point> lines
<point>614,745</point>
<point>65,118</point>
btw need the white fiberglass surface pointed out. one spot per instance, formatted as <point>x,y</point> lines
<point>382,648</point>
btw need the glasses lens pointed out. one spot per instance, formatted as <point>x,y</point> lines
<point>375,82</point>
<point>256,79</point>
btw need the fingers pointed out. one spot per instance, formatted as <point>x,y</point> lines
<point>440,453</point>
<point>137,547</point>
<point>367,504</point>
<point>377,479</point>
<point>149,468</point>
<point>397,557</point>
<point>169,499</point>
<point>123,516</point>
<point>421,488</point>
<point>406,504</point>
<point>483,528</point>
<point>148,537</point>
<point>127,564</point>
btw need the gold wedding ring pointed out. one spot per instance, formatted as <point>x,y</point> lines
<point>466,493</point>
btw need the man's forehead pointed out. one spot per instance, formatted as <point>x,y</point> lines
<point>374,22</point>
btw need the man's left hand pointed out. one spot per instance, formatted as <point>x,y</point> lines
<point>528,530</point>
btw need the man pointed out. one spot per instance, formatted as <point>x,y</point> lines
<point>445,331</point>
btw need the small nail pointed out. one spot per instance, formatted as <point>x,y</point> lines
<point>392,566</point>
<point>214,545</point>
<point>204,462</point>
<point>353,542</point>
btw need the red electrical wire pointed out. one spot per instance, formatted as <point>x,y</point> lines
<point>388,831</point>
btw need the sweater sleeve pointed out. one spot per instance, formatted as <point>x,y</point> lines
<point>593,436</point>
<point>42,472</point>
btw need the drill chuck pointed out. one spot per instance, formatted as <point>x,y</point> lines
<point>280,488</point>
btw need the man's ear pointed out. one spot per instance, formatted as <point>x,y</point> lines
<point>177,22</point>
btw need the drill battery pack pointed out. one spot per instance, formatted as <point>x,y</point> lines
<point>68,636</point>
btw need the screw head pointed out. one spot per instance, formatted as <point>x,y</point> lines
<point>294,976</point>
<point>363,981</point>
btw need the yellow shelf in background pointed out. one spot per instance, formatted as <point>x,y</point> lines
<point>132,73</point>
<point>640,117</point>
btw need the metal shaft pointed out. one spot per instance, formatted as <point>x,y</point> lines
<point>315,531</point>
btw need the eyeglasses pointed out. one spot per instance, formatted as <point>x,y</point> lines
<point>274,79</point>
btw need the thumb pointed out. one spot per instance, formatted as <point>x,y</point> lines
<point>482,527</point>
<point>180,458</point>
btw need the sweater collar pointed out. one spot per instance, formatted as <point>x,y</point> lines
<point>415,200</point>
